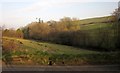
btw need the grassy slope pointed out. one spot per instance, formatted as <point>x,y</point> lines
<point>96,26</point>
<point>95,20</point>
<point>32,46</point>
<point>95,23</point>
<point>32,52</point>
<point>38,53</point>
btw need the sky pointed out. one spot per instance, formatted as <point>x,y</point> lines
<point>19,13</point>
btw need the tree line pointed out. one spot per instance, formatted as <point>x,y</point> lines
<point>67,31</point>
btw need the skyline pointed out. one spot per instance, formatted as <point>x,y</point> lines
<point>18,14</point>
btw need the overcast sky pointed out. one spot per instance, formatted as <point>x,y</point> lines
<point>18,13</point>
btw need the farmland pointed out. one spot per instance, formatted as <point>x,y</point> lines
<point>29,52</point>
<point>68,42</point>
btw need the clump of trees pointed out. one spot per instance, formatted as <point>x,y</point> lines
<point>13,33</point>
<point>50,30</point>
<point>67,31</point>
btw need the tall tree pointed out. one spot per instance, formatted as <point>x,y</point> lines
<point>19,33</point>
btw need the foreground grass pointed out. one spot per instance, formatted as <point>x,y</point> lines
<point>20,51</point>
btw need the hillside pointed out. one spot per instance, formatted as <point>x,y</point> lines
<point>28,52</point>
<point>33,46</point>
<point>105,19</point>
<point>96,23</point>
<point>98,34</point>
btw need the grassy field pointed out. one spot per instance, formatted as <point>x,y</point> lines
<point>95,20</point>
<point>28,52</point>
<point>95,23</point>
<point>96,26</point>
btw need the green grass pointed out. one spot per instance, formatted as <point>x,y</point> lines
<point>40,53</point>
<point>33,46</point>
<point>96,26</point>
<point>95,23</point>
<point>96,20</point>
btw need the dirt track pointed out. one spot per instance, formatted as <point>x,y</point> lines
<point>63,68</point>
